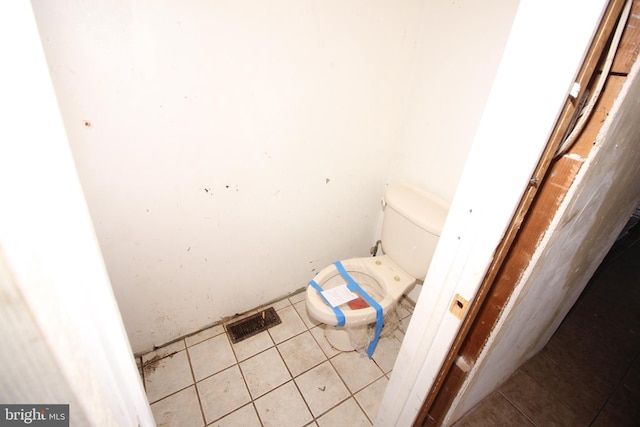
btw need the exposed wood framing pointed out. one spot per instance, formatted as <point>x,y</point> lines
<point>549,184</point>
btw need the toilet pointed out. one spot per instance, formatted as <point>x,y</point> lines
<point>413,220</point>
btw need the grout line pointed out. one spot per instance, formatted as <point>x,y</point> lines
<point>193,377</point>
<point>515,406</point>
<point>355,399</point>
<point>331,408</point>
<point>313,417</point>
<point>171,394</point>
<point>253,403</point>
<point>618,384</point>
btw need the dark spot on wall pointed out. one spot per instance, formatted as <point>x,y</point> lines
<point>87,123</point>
<point>327,180</point>
<point>189,248</point>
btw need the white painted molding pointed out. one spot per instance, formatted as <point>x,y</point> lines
<point>60,321</point>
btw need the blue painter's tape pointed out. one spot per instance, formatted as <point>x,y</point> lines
<point>336,310</point>
<point>354,287</point>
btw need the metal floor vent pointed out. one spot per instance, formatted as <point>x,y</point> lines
<point>250,326</point>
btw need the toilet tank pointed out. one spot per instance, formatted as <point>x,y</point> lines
<point>413,220</point>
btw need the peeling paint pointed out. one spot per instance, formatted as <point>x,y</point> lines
<point>574,156</point>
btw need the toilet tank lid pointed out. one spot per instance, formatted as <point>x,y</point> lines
<point>424,209</point>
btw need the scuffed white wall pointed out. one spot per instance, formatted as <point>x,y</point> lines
<point>227,150</point>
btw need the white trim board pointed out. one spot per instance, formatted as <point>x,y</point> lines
<point>56,296</point>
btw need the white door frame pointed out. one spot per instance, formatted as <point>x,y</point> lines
<point>546,46</point>
<point>64,341</point>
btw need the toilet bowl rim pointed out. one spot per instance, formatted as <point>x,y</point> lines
<point>323,313</point>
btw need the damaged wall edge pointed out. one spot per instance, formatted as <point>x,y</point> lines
<point>603,196</point>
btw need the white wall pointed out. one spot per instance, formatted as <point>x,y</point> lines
<point>458,52</point>
<point>227,150</point>
<point>598,205</point>
<point>457,56</point>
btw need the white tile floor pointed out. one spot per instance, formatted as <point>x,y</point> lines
<point>287,376</point>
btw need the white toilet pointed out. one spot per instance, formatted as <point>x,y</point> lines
<point>413,220</point>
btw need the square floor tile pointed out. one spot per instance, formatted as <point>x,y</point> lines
<point>405,308</point>
<point>222,393</point>
<point>371,396</point>
<point>348,413</point>
<point>536,403</point>
<point>301,309</point>
<point>328,349</point>
<point>291,325</point>
<point>165,376</point>
<point>621,409</point>
<point>163,351</point>
<point>283,406</point>
<point>204,335</point>
<point>301,353</point>
<point>493,411</point>
<point>298,296</point>
<point>211,356</point>
<point>356,369</point>
<point>402,328</point>
<point>243,417</point>
<point>279,305</point>
<point>252,345</point>
<point>574,387</point>
<point>386,353</point>
<point>179,409</point>
<point>264,372</point>
<point>322,388</point>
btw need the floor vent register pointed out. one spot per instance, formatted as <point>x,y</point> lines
<point>252,325</point>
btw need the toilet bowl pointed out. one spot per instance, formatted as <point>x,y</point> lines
<point>411,228</point>
<point>379,276</point>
